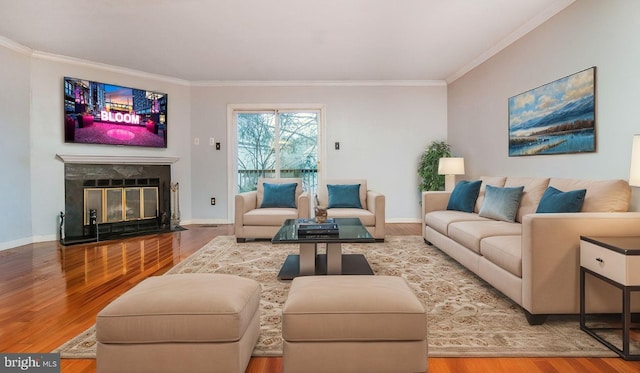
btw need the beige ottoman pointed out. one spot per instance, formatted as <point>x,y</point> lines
<point>353,324</point>
<point>180,323</point>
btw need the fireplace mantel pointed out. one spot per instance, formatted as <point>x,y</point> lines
<point>116,159</point>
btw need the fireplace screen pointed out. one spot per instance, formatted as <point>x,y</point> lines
<point>114,205</point>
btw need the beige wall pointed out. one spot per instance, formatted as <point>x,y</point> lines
<point>382,130</point>
<point>588,33</point>
<point>15,196</point>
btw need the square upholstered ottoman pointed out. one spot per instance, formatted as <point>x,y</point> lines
<point>180,323</point>
<point>353,324</point>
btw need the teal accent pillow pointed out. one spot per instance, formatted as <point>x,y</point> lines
<point>555,200</point>
<point>344,195</point>
<point>279,195</point>
<point>501,203</point>
<point>464,195</point>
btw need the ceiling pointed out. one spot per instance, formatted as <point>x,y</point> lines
<point>291,40</point>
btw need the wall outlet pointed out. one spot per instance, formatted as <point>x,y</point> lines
<point>212,141</point>
<point>213,201</point>
<point>196,141</point>
<point>217,146</point>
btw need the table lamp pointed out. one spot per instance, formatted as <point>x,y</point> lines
<point>450,167</point>
<point>634,172</point>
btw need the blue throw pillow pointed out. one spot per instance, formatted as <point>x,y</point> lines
<point>279,195</point>
<point>501,203</point>
<point>464,195</point>
<point>344,195</point>
<point>554,200</point>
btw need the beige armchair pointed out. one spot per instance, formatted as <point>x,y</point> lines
<point>371,213</point>
<point>257,217</point>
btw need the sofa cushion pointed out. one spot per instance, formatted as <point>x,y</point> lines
<point>323,193</point>
<point>470,233</point>
<point>488,180</point>
<point>344,196</point>
<point>557,201</point>
<point>440,220</point>
<point>504,251</point>
<point>367,218</point>
<point>602,195</point>
<point>260,187</point>
<point>501,203</point>
<point>534,188</point>
<point>464,195</point>
<point>269,216</point>
<point>279,195</point>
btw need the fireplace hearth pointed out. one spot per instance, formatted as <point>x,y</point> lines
<point>108,201</point>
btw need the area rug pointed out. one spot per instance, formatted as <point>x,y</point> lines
<point>466,316</point>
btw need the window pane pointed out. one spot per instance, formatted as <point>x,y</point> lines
<point>256,152</point>
<point>299,147</point>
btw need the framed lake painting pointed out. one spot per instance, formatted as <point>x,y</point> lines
<point>556,118</point>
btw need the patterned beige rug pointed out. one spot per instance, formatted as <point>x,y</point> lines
<point>466,316</point>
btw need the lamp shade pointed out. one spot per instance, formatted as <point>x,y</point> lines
<point>634,172</point>
<point>452,166</point>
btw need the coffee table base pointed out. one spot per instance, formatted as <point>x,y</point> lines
<point>352,264</point>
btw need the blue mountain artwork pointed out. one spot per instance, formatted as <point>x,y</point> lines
<point>578,109</point>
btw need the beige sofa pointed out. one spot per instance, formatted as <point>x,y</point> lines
<point>372,213</point>
<point>534,260</point>
<point>253,221</point>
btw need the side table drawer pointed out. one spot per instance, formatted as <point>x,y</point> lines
<point>611,264</point>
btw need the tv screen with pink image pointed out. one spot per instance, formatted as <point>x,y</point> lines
<point>100,113</point>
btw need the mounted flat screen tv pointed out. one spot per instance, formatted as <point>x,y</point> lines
<point>100,113</point>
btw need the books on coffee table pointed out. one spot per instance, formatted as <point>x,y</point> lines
<point>309,227</point>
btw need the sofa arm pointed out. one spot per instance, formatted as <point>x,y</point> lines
<point>434,201</point>
<point>551,255</point>
<point>304,206</point>
<point>244,202</point>
<point>377,205</point>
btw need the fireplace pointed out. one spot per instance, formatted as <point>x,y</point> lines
<point>107,201</point>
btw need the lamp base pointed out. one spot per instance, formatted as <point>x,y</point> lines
<point>449,182</point>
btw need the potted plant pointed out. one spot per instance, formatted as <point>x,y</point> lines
<point>428,167</point>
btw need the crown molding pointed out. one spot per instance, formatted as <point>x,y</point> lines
<point>10,44</point>
<point>116,159</point>
<point>318,83</point>
<point>103,66</point>
<point>529,26</point>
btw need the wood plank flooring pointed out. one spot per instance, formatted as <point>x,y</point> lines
<point>49,293</point>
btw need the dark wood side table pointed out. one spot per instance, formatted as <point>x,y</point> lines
<point>616,261</point>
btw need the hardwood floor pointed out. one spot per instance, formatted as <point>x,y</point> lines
<point>49,293</point>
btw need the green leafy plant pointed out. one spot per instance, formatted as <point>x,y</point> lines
<point>428,167</point>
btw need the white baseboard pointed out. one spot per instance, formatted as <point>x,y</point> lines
<point>403,220</point>
<point>206,221</point>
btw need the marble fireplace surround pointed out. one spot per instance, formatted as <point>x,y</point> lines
<point>106,170</point>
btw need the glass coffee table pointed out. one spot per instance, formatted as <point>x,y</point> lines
<point>310,263</point>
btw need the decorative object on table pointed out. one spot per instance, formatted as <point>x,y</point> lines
<point>311,227</point>
<point>428,166</point>
<point>450,167</point>
<point>556,118</point>
<point>175,204</point>
<point>320,212</point>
